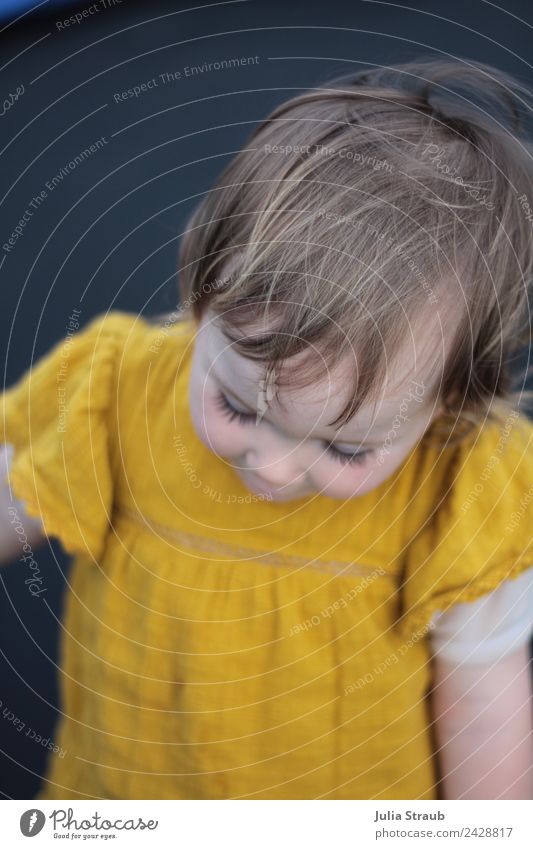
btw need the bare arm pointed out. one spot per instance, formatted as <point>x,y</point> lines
<point>484,728</point>
<point>16,527</point>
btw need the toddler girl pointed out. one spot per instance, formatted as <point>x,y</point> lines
<point>300,505</point>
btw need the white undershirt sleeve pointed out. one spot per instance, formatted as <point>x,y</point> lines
<point>485,630</point>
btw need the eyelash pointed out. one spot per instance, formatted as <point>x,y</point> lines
<point>248,418</point>
<point>348,459</point>
<point>227,409</point>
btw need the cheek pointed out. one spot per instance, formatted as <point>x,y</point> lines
<point>337,481</point>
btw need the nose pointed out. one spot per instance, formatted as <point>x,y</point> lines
<point>276,467</point>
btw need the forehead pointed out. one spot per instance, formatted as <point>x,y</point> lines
<point>415,372</point>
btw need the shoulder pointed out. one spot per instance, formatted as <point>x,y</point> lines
<point>494,471</point>
<point>152,352</point>
<point>475,531</point>
<point>486,471</point>
<point>136,344</point>
<point>148,360</point>
<point>455,483</point>
<point>155,330</point>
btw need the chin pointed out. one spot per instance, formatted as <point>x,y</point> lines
<point>285,496</point>
<point>259,488</point>
<point>348,494</point>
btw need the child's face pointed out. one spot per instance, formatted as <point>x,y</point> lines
<point>285,455</point>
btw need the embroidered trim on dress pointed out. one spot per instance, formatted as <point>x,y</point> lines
<point>337,567</point>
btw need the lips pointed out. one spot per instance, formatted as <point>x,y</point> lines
<point>262,488</point>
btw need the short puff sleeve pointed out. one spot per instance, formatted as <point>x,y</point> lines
<point>477,530</point>
<point>486,630</point>
<point>59,418</point>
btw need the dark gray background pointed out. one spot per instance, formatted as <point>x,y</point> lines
<point>107,237</point>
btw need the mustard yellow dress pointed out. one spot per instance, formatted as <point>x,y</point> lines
<point>220,647</point>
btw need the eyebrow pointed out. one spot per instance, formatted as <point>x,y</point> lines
<point>350,442</point>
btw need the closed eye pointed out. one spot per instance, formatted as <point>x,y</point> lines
<point>352,458</point>
<point>231,413</point>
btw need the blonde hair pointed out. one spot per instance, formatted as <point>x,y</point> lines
<point>356,207</point>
